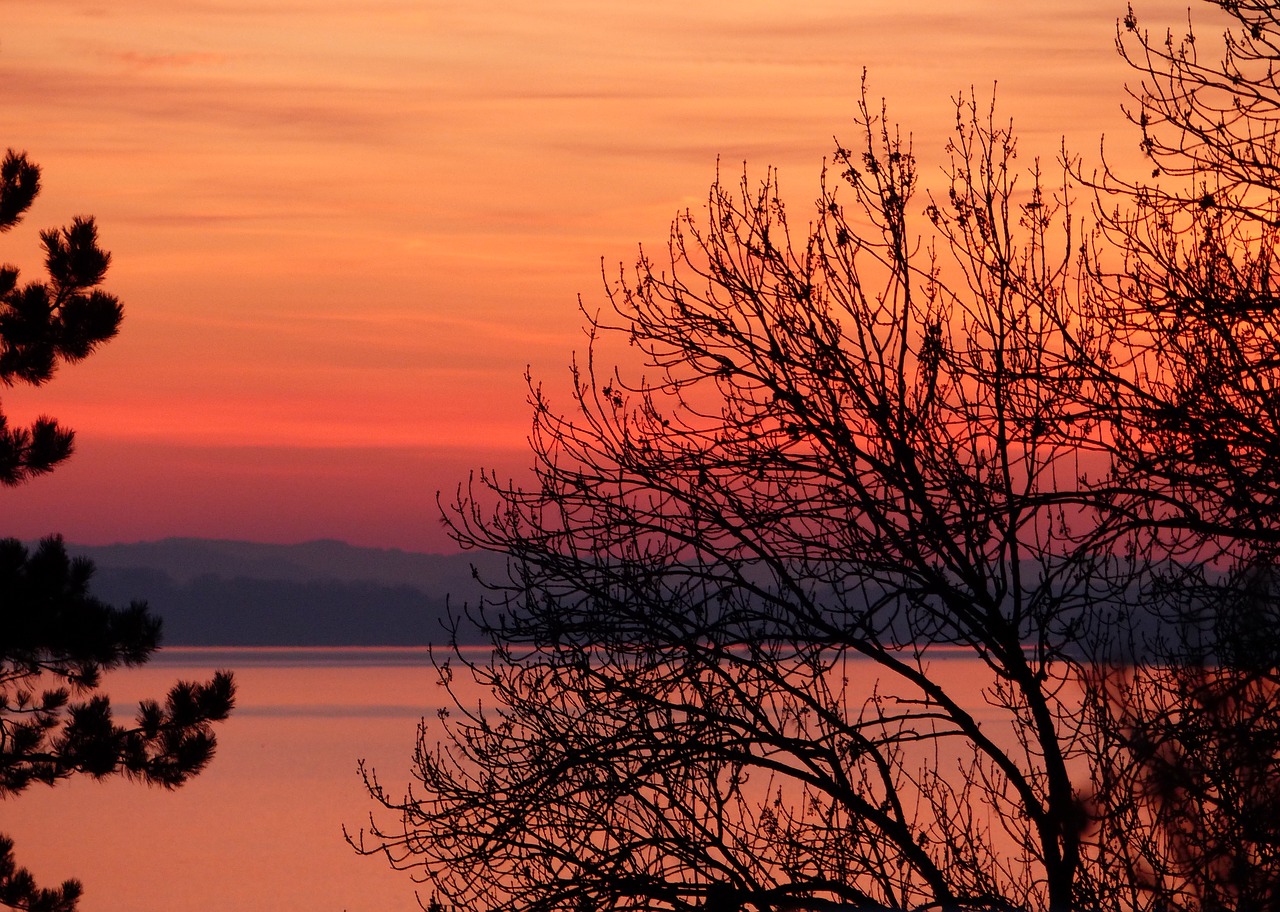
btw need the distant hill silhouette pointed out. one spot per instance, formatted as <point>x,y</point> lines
<point>318,593</point>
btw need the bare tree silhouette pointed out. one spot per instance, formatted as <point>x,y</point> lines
<point>1185,287</point>
<point>848,446</point>
<point>919,428</point>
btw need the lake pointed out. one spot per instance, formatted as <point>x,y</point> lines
<point>261,828</point>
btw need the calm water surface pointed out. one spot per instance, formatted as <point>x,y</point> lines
<point>262,827</point>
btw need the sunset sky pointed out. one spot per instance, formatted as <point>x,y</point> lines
<point>341,230</point>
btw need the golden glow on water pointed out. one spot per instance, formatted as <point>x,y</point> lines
<point>262,827</point>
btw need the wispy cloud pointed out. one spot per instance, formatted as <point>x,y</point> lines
<point>148,61</point>
<point>360,219</point>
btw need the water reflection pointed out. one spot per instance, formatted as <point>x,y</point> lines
<point>270,809</point>
<point>262,827</point>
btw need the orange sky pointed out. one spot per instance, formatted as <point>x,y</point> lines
<point>342,229</point>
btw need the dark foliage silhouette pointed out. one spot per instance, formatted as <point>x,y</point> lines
<point>56,639</point>
<point>43,324</point>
